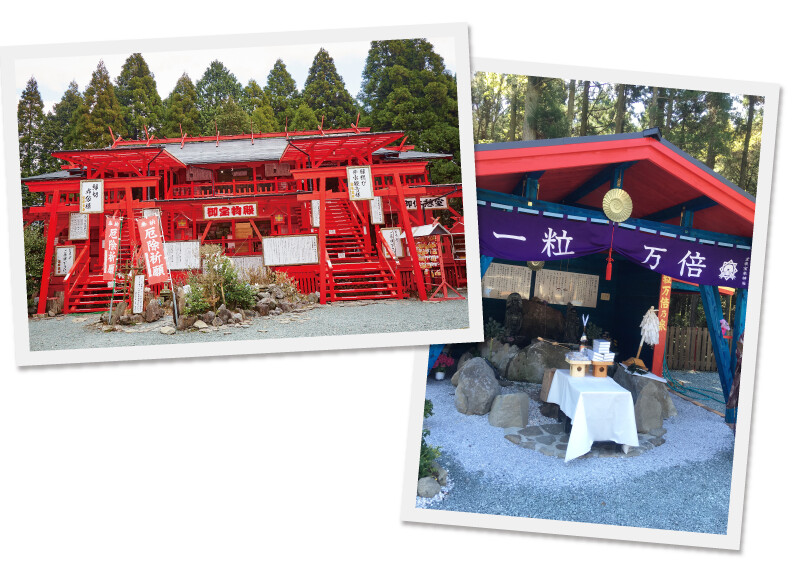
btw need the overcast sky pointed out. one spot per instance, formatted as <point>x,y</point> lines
<point>54,74</point>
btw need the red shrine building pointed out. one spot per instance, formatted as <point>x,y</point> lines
<point>334,209</point>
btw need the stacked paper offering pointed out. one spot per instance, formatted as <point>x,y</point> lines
<point>595,356</point>
<point>601,346</point>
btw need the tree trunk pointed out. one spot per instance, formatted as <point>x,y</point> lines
<point>619,120</point>
<point>654,111</point>
<point>571,106</point>
<point>585,109</point>
<point>711,155</point>
<point>668,121</point>
<point>532,94</point>
<point>751,109</point>
<point>512,122</point>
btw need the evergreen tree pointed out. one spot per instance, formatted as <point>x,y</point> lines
<point>545,110</point>
<point>231,118</point>
<point>326,95</point>
<point>281,91</point>
<point>256,104</point>
<point>405,86</point>
<point>137,94</point>
<point>30,126</point>
<point>99,111</point>
<point>214,89</point>
<point>58,126</point>
<point>181,110</point>
<point>303,119</point>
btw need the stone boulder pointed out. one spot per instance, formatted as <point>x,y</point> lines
<point>223,313</point>
<point>208,317</point>
<point>647,410</point>
<point>428,487</point>
<point>153,311</point>
<point>185,321</point>
<point>498,354</point>
<point>510,410</point>
<point>118,312</point>
<point>636,384</point>
<point>180,298</point>
<point>265,305</point>
<point>530,363</point>
<point>477,388</point>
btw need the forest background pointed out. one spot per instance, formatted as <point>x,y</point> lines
<point>721,130</point>
<point>405,86</point>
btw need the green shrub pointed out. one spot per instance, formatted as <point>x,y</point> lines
<point>427,454</point>
<point>218,284</point>
<point>35,245</point>
<point>493,330</point>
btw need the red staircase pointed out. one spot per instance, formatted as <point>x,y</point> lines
<point>87,291</point>
<point>358,271</point>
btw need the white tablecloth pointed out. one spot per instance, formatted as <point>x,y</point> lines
<point>600,409</point>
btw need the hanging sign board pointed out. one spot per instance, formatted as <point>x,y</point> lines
<point>428,255</point>
<point>558,287</point>
<point>111,248</point>
<point>392,235</point>
<point>427,203</point>
<point>91,196</point>
<point>500,280</point>
<point>182,255</point>
<point>228,211</point>
<point>65,257</point>
<point>78,226</point>
<point>359,183</point>
<point>315,213</point>
<point>153,250</point>
<point>290,250</point>
<point>138,294</point>
<point>152,212</point>
<point>244,264</point>
<point>376,211</point>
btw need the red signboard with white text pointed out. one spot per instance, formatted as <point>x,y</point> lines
<point>111,247</point>
<point>230,211</point>
<point>153,249</point>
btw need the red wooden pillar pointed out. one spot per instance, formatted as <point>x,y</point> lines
<point>412,248</point>
<point>663,317</point>
<point>52,226</point>
<point>322,247</point>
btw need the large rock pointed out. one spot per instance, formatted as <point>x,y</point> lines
<point>647,410</point>
<point>547,381</point>
<point>153,311</point>
<point>530,364</point>
<point>180,298</point>
<point>223,313</point>
<point>118,312</point>
<point>498,354</point>
<point>428,487</point>
<point>477,388</point>
<point>510,410</point>
<point>208,317</point>
<point>266,304</point>
<point>636,384</point>
<point>185,321</point>
<point>529,319</point>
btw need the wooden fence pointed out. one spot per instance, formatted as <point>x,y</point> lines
<point>689,348</point>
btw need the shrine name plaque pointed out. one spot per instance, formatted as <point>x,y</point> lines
<point>500,280</point>
<point>182,255</point>
<point>558,287</point>
<point>393,239</point>
<point>290,250</point>
<point>78,226</point>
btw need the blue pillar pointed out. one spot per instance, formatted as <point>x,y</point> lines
<point>713,308</point>
<point>485,261</point>
<point>738,323</point>
<point>433,353</point>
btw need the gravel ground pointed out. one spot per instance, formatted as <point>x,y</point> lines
<point>706,380</point>
<point>683,485</point>
<point>77,331</point>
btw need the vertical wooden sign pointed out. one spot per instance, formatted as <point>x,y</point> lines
<point>663,317</point>
<point>138,294</point>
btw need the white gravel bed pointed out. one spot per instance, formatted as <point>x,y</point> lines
<point>339,318</point>
<point>694,435</point>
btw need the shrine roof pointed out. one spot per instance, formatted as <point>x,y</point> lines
<point>213,152</point>
<point>661,179</point>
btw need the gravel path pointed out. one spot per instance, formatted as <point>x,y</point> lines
<point>683,485</point>
<point>76,331</point>
<point>705,380</point>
